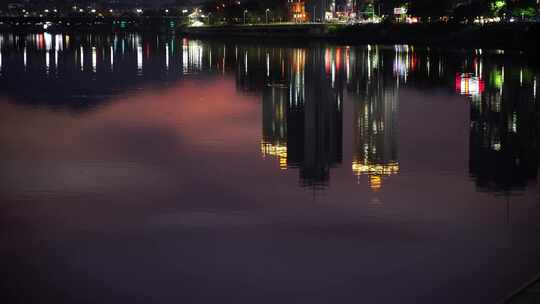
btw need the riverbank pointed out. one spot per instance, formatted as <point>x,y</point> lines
<point>519,36</point>
<point>515,36</point>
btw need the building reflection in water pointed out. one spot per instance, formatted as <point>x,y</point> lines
<point>375,151</point>
<point>302,119</point>
<point>504,130</point>
<point>302,93</point>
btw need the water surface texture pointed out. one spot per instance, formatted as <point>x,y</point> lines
<point>159,169</point>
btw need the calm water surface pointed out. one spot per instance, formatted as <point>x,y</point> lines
<point>158,169</point>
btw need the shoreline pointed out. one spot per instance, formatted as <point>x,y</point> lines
<point>518,36</point>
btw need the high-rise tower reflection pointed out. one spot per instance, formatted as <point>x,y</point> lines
<point>375,151</point>
<point>504,132</point>
<point>302,119</point>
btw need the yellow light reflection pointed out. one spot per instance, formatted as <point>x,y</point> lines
<point>375,182</point>
<point>375,172</point>
<point>275,150</point>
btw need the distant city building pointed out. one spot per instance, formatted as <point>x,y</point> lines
<point>321,10</point>
<point>297,11</point>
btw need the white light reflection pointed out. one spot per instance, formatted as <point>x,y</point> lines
<point>167,57</point>
<point>267,64</point>
<point>94,59</point>
<point>58,42</point>
<point>139,60</point>
<point>24,57</point>
<point>534,88</point>
<point>47,62</point>
<point>82,58</point>
<point>246,62</point>
<point>48,41</point>
<point>112,57</point>
<point>333,72</point>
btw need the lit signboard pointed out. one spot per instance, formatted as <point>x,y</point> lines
<point>400,10</point>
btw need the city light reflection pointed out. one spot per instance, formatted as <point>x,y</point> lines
<point>304,90</point>
<point>112,58</point>
<point>139,60</point>
<point>167,57</point>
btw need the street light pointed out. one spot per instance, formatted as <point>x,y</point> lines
<point>267,11</point>
<point>245,12</point>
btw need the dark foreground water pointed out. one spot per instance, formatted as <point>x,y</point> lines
<point>146,169</point>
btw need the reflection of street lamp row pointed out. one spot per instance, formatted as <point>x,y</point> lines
<point>375,172</point>
<point>360,168</point>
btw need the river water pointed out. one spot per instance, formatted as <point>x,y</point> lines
<point>158,169</point>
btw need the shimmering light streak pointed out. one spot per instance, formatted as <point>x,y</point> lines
<point>167,57</point>
<point>246,62</point>
<point>82,58</point>
<point>333,73</point>
<point>24,57</point>
<point>58,43</point>
<point>267,64</point>
<point>94,59</point>
<point>112,58</point>
<point>48,41</point>
<point>139,60</point>
<point>348,64</point>
<point>513,122</point>
<point>534,89</point>
<point>47,62</point>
